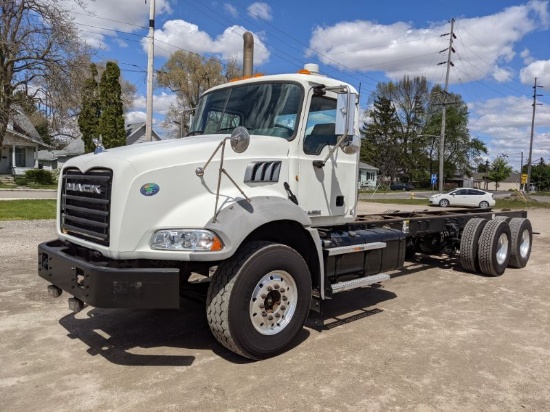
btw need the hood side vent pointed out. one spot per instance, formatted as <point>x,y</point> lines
<point>262,172</point>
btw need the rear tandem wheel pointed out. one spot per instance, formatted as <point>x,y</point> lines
<point>469,243</point>
<point>494,248</point>
<point>521,242</point>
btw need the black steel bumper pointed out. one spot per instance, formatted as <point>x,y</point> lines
<point>108,287</point>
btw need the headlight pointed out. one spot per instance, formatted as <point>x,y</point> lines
<point>186,239</point>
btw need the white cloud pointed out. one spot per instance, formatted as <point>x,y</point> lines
<point>231,9</point>
<point>97,20</point>
<point>505,126</point>
<point>483,45</point>
<point>135,117</point>
<point>526,56</point>
<point>260,10</point>
<point>161,102</point>
<point>181,35</point>
<point>539,69</point>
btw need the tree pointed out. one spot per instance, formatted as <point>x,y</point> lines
<point>409,98</point>
<point>499,171</point>
<point>111,121</point>
<point>379,145</point>
<point>189,75</point>
<point>38,43</point>
<point>540,175</point>
<point>88,119</point>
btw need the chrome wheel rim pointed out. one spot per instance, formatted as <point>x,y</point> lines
<point>273,302</point>
<point>525,244</point>
<point>502,248</point>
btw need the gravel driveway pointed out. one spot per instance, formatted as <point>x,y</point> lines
<point>433,338</point>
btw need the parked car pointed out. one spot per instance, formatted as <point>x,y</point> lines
<point>401,186</point>
<point>463,197</point>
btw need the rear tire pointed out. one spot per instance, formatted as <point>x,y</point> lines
<point>494,248</point>
<point>259,299</point>
<point>521,242</point>
<point>469,243</point>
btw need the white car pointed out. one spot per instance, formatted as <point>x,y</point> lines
<point>463,197</point>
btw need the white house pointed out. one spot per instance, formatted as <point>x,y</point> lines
<point>21,144</point>
<point>368,175</point>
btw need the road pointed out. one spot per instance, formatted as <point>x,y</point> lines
<point>14,194</point>
<point>433,338</point>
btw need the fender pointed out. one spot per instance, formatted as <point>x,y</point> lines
<point>236,221</point>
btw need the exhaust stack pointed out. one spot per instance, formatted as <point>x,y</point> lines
<point>248,54</point>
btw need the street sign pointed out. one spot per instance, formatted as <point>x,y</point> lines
<point>523,178</point>
<point>434,179</point>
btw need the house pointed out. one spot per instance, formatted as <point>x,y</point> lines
<point>135,133</point>
<point>54,159</point>
<point>368,175</point>
<point>512,182</point>
<point>21,145</point>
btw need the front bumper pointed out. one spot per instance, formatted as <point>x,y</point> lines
<point>102,286</point>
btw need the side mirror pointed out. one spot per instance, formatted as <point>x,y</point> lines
<point>345,114</point>
<point>240,139</point>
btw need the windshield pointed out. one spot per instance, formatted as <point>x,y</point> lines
<point>263,108</point>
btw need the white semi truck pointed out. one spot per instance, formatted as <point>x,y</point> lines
<point>256,211</point>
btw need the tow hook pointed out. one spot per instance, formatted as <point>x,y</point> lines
<point>76,305</point>
<point>54,291</point>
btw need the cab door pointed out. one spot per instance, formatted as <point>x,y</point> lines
<point>330,191</point>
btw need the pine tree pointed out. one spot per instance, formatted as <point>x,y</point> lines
<point>380,146</point>
<point>88,120</point>
<point>111,121</point>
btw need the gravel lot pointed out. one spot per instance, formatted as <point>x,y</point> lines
<point>433,338</point>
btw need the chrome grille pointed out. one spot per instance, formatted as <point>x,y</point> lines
<point>86,204</point>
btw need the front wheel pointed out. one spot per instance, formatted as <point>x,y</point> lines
<point>443,203</point>
<point>484,204</point>
<point>259,299</point>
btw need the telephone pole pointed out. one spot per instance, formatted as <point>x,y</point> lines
<point>535,104</point>
<point>449,63</point>
<point>150,57</point>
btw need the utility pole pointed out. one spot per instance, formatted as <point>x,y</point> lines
<point>150,57</point>
<point>535,95</point>
<point>444,110</point>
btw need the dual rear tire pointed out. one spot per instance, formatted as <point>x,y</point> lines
<point>490,246</point>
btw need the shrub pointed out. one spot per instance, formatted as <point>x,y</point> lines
<point>39,176</point>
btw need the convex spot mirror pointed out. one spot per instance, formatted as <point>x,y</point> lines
<point>240,139</point>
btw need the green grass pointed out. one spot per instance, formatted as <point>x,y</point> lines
<point>45,209</point>
<point>27,209</point>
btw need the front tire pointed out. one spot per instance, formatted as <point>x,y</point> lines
<point>443,203</point>
<point>259,299</point>
<point>484,204</point>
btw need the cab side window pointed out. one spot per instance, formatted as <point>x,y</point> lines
<point>321,124</point>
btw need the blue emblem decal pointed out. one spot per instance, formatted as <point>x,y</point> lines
<point>149,189</point>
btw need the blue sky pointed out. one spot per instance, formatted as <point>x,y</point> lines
<point>501,46</point>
